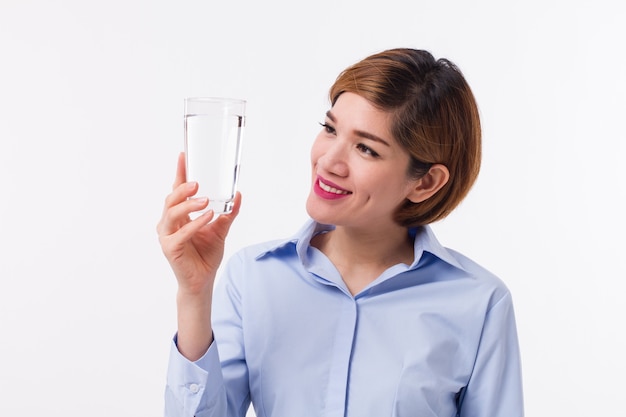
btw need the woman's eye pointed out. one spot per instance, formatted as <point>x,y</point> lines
<point>367,150</point>
<point>328,128</point>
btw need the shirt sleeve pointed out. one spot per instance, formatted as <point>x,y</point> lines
<point>495,387</point>
<point>194,388</point>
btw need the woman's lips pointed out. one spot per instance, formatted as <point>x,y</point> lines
<point>328,190</point>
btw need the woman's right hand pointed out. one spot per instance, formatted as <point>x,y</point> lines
<point>194,248</point>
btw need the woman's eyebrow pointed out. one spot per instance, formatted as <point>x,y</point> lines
<point>360,133</point>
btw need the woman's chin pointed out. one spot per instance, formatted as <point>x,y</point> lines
<point>315,211</point>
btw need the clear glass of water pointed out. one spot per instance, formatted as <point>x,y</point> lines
<point>213,137</point>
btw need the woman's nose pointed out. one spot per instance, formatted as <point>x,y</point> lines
<point>334,158</point>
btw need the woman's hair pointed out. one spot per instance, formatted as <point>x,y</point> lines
<point>434,117</point>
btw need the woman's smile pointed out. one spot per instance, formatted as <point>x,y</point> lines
<point>328,190</point>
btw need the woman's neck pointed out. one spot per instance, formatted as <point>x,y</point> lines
<point>361,256</point>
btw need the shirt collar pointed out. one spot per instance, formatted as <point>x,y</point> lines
<point>424,238</point>
<point>426,241</point>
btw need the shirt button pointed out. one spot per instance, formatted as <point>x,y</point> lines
<point>194,388</point>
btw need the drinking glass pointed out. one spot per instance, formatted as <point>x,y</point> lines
<point>213,136</point>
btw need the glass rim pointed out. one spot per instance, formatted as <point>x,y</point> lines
<point>214,99</point>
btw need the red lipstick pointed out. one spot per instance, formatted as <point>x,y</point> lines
<point>329,193</point>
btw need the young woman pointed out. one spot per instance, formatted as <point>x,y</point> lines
<point>362,312</point>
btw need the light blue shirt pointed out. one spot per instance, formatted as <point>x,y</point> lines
<point>433,339</point>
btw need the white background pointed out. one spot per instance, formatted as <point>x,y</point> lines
<point>91,101</point>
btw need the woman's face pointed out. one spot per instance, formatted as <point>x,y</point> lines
<point>358,169</point>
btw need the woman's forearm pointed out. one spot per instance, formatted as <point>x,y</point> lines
<point>195,334</point>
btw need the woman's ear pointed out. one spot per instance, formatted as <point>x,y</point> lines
<point>425,187</point>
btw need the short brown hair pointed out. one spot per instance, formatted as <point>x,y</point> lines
<point>434,117</point>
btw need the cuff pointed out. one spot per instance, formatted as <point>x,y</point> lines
<point>193,385</point>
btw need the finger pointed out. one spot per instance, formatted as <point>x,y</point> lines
<point>236,205</point>
<point>181,174</point>
<point>171,220</point>
<point>226,220</point>
<point>181,193</point>
<point>176,216</point>
<point>188,230</point>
